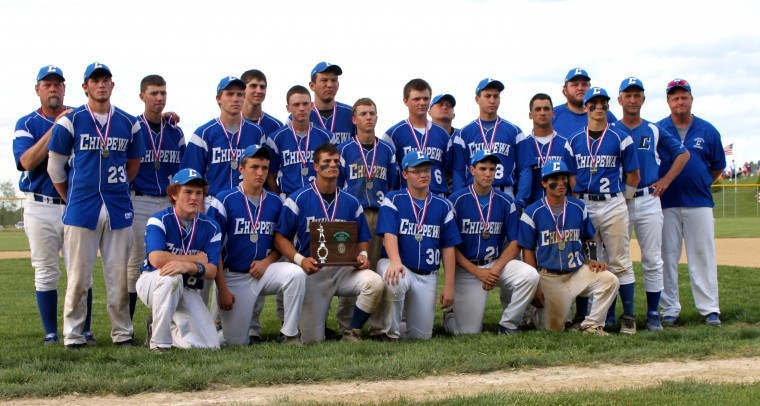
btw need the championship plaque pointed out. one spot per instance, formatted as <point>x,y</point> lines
<point>334,243</point>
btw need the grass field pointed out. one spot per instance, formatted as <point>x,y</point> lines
<point>29,369</point>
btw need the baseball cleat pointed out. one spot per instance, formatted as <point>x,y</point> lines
<point>89,338</point>
<point>653,322</point>
<point>596,330</point>
<point>505,331</point>
<point>669,321</point>
<point>124,344</point>
<point>161,350</point>
<point>712,319</point>
<point>75,346</point>
<point>254,339</point>
<point>50,339</point>
<point>628,325</point>
<point>289,340</point>
<point>450,322</point>
<point>352,335</point>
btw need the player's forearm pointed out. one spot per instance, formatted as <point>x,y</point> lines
<point>510,252</point>
<point>390,242</point>
<point>633,178</point>
<point>449,261</point>
<point>36,153</point>
<point>133,166</point>
<point>210,272</point>
<point>221,283</point>
<point>160,258</point>
<point>678,164</point>
<point>464,263</point>
<point>284,246</point>
<point>62,189</point>
<point>716,174</point>
<point>529,257</point>
<point>272,183</point>
<point>573,181</point>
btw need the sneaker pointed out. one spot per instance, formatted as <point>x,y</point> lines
<point>505,331</point>
<point>148,330</point>
<point>254,339</point>
<point>653,322</point>
<point>50,339</point>
<point>75,347</point>
<point>628,324</point>
<point>574,325</point>
<point>288,340</point>
<point>383,338</point>
<point>352,335</point>
<point>161,350</point>
<point>712,319</point>
<point>597,330</point>
<point>669,321</point>
<point>450,322</point>
<point>89,338</point>
<point>124,344</point>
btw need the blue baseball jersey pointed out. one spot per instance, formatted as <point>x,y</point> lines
<point>538,233</point>
<point>163,233</point>
<point>439,228</point>
<point>305,206</point>
<point>352,177</point>
<point>691,188</point>
<point>502,144</point>
<point>212,149</point>
<point>434,142</point>
<point>612,151</point>
<point>532,153</point>
<point>289,152</point>
<point>165,149</point>
<point>502,225</point>
<point>268,123</point>
<point>653,146</point>
<point>95,180</point>
<point>238,224</point>
<point>29,130</point>
<point>339,123</point>
<point>567,122</point>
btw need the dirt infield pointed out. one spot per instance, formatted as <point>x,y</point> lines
<point>731,251</point>
<point>599,377</point>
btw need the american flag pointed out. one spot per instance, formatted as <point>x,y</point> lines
<point>729,149</point>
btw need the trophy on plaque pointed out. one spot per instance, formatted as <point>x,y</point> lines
<point>333,243</point>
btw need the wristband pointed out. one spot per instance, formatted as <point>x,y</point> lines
<point>298,258</point>
<point>364,253</point>
<point>201,270</point>
<point>630,192</point>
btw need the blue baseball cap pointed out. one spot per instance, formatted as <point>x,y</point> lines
<point>594,92</point>
<point>46,71</point>
<point>678,83</point>
<point>576,73</point>
<point>95,67</point>
<point>487,83</point>
<point>414,158</point>
<point>254,150</point>
<point>484,155</point>
<point>228,81</point>
<point>552,168</point>
<point>326,67</point>
<point>629,82</point>
<point>186,175</point>
<point>440,97</point>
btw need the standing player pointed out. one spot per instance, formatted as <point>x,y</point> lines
<point>556,235</point>
<point>327,113</point>
<point>104,146</point>
<point>293,145</point>
<point>322,200</point>
<point>488,222</point>
<point>687,208</point>
<point>215,147</point>
<point>601,154</point>
<point>489,132</point>
<point>164,144</point>
<point>183,249</point>
<point>653,146</point>
<point>416,133</point>
<point>534,151</point>
<point>569,118</point>
<point>247,215</point>
<point>255,93</point>
<point>419,230</point>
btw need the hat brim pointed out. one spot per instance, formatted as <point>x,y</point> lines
<point>488,158</point>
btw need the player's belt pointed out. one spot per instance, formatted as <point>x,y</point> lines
<point>643,192</point>
<point>553,272</point>
<point>145,194</point>
<point>594,197</point>
<point>480,262</point>
<point>237,270</point>
<point>48,199</point>
<point>371,209</point>
<point>423,272</point>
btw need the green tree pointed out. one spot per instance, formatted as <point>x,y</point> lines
<point>10,209</point>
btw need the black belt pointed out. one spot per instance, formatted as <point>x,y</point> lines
<point>237,270</point>
<point>597,197</point>
<point>421,272</point>
<point>145,194</point>
<point>643,192</point>
<point>480,262</point>
<point>553,272</point>
<point>48,199</point>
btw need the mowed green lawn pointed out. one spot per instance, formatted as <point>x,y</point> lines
<point>29,369</point>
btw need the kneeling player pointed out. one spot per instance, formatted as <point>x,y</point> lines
<point>488,222</point>
<point>418,230</point>
<point>247,215</point>
<point>551,231</point>
<point>182,245</point>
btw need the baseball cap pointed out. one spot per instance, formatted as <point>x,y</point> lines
<point>484,155</point>
<point>440,97</point>
<point>593,93</point>
<point>629,82</point>
<point>488,82</point>
<point>186,175</point>
<point>95,67</point>
<point>678,83</point>
<point>254,150</point>
<point>414,158</point>
<point>227,81</point>
<point>46,71</point>
<point>325,67</point>
<point>576,73</point>
<point>554,168</point>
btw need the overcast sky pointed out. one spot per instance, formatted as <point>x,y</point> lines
<point>528,45</point>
